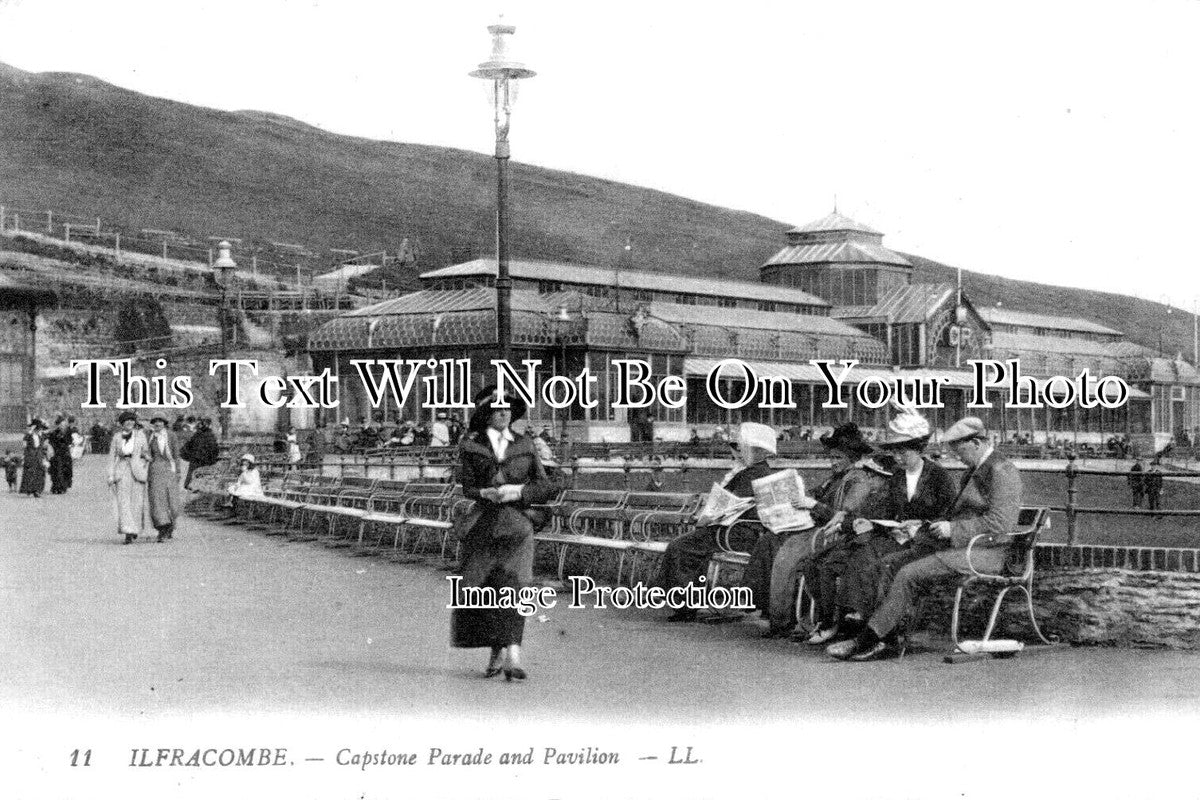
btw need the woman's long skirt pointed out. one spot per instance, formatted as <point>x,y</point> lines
<point>130,500</point>
<point>33,474</point>
<point>495,563</point>
<point>162,491</point>
<point>62,472</point>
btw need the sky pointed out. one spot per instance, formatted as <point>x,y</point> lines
<point>1049,141</point>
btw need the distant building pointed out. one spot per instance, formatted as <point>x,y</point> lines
<point>834,291</point>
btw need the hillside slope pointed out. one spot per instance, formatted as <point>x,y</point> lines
<point>75,143</point>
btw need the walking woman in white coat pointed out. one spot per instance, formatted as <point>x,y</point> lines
<point>128,469</point>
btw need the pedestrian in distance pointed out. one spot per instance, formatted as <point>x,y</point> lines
<point>1153,482</point>
<point>62,470</point>
<point>162,485</point>
<point>294,456</point>
<point>12,463</point>
<point>128,471</point>
<point>1137,483</point>
<point>35,459</point>
<point>201,450</point>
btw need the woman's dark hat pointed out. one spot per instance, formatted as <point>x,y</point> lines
<point>848,439</point>
<point>125,416</point>
<point>483,408</point>
<point>36,422</point>
<point>159,418</point>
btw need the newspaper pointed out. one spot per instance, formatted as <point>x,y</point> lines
<point>722,507</point>
<point>776,497</point>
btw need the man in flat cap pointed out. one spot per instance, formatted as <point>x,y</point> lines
<point>988,502</point>
<point>686,559</point>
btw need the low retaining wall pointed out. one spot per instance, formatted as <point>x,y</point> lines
<point>1116,596</point>
<point>1121,607</point>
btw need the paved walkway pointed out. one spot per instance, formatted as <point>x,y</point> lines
<point>222,619</point>
<point>227,638</point>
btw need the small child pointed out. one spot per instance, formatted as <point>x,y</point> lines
<point>11,463</point>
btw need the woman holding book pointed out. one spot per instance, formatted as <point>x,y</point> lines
<point>919,491</point>
<point>502,473</point>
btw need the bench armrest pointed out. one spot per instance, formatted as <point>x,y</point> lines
<point>987,538</point>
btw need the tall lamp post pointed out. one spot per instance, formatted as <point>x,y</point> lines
<point>223,269</point>
<point>503,74</point>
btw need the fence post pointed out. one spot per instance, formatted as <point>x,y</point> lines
<point>574,470</point>
<point>16,222</point>
<point>164,249</point>
<point>49,221</point>
<point>97,226</point>
<point>118,246</point>
<point>2,218</point>
<point>628,467</point>
<point>67,228</point>
<point>1072,491</point>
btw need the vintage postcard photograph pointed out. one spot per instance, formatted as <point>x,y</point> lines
<point>628,400</point>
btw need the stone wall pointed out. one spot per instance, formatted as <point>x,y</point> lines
<point>1121,606</point>
<point>1082,595</point>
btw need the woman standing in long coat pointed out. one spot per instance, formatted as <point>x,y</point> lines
<point>62,467</point>
<point>501,472</point>
<point>162,485</point>
<point>128,457</point>
<point>33,467</point>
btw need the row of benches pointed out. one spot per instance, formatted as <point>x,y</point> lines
<point>401,519</point>
<point>347,510</point>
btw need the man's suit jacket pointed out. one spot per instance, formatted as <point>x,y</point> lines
<point>990,502</point>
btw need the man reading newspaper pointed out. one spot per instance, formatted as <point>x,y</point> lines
<point>686,559</point>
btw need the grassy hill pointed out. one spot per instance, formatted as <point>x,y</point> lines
<point>75,143</point>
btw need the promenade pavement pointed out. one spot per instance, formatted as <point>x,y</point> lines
<point>226,620</point>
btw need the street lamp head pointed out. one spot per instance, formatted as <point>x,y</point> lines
<point>224,266</point>
<point>504,74</point>
<point>500,67</point>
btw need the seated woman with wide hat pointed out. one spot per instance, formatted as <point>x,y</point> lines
<point>919,491</point>
<point>855,487</point>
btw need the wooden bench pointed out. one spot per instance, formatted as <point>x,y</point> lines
<point>609,521</point>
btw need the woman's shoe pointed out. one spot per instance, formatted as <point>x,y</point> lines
<point>511,673</point>
<point>822,636</point>
<point>494,665</point>
<point>129,537</point>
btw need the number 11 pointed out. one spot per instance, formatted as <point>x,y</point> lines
<point>87,758</point>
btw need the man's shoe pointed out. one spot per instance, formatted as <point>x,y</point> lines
<point>841,650</point>
<point>683,615</point>
<point>873,653</point>
<point>850,648</point>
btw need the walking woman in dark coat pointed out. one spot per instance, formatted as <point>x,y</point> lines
<point>33,469</point>
<point>501,472</point>
<point>62,467</point>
